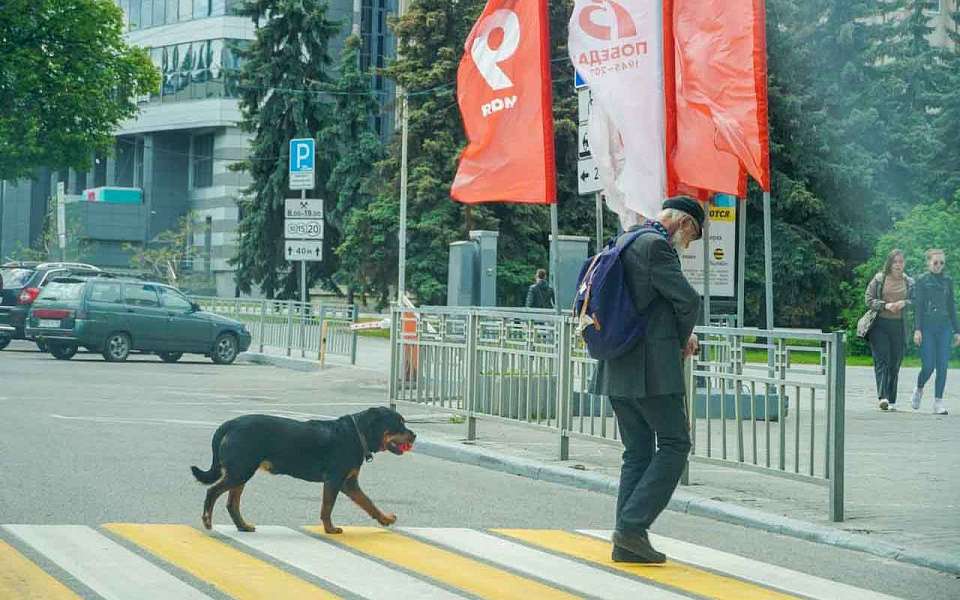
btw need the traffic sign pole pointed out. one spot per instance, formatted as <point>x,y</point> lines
<point>303,264</point>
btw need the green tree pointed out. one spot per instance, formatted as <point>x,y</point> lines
<point>358,149</point>
<point>934,225</point>
<point>284,73</point>
<point>67,79</point>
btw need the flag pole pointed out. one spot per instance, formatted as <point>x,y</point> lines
<point>554,259</point>
<point>741,259</point>
<point>402,233</point>
<point>706,268</point>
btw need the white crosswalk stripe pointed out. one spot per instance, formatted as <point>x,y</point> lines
<point>773,576</point>
<point>340,567</point>
<point>161,562</point>
<point>554,569</point>
<point>103,565</point>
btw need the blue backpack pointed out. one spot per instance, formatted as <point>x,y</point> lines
<point>607,317</point>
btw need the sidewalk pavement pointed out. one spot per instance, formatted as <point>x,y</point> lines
<point>902,468</point>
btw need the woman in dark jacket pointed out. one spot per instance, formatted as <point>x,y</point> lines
<point>936,329</point>
<point>889,293</point>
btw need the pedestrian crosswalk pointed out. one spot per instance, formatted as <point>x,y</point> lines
<point>166,561</point>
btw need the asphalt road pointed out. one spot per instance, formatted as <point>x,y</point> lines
<point>87,442</point>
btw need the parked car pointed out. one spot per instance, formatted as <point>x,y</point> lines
<point>116,316</point>
<point>22,283</point>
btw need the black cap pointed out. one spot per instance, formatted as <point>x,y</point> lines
<point>691,207</point>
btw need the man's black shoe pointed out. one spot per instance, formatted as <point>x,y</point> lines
<point>635,548</point>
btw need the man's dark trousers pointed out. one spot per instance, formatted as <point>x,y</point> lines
<point>649,476</point>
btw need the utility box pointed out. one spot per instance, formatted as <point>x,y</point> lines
<point>572,251</point>
<point>486,266</point>
<point>461,274</point>
<point>472,272</point>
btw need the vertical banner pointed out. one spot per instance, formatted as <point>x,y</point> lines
<point>717,96</point>
<point>616,47</point>
<point>505,98</point>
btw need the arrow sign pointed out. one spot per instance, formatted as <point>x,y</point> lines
<point>588,177</point>
<point>303,250</point>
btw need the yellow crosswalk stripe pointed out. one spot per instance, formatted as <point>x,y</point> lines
<point>22,579</point>
<point>233,572</point>
<point>672,574</point>
<point>441,565</point>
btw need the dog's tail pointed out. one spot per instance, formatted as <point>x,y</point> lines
<point>213,473</point>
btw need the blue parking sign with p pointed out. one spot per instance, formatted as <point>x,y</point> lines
<point>302,162</point>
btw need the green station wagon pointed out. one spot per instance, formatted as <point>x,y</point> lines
<point>115,317</point>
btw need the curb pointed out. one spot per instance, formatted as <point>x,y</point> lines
<point>286,362</point>
<point>691,504</point>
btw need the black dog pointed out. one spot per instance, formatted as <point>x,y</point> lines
<point>328,451</point>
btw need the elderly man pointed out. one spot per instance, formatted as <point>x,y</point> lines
<point>645,385</point>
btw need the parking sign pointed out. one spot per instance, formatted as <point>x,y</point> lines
<point>302,163</point>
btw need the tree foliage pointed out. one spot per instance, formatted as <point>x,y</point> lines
<point>284,73</point>
<point>67,80</point>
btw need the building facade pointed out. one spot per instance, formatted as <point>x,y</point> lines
<point>179,149</point>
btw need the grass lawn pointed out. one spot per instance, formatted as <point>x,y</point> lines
<point>803,358</point>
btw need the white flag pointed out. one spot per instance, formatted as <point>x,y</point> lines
<point>616,47</point>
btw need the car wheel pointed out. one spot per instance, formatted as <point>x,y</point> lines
<point>4,342</point>
<point>224,349</point>
<point>63,351</point>
<point>42,346</point>
<point>116,348</point>
<point>170,357</point>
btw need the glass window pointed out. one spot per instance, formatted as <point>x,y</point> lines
<point>174,300</point>
<point>61,291</point>
<point>134,14</point>
<point>201,9</point>
<point>186,10</point>
<point>137,294</point>
<point>172,14</point>
<point>158,10</point>
<point>106,291</point>
<point>203,161</point>
<point>125,7</point>
<point>146,13</point>
<point>218,8</point>
<point>15,278</point>
<point>932,6</point>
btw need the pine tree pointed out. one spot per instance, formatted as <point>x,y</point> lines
<point>283,75</point>
<point>358,149</point>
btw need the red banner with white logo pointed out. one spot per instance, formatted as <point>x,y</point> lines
<point>716,71</point>
<point>503,89</point>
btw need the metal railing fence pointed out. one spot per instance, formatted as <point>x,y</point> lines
<point>782,417</point>
<point>310,330</point>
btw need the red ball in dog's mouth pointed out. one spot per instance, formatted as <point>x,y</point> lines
<point>405,447</point>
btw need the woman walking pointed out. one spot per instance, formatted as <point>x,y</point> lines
<point>889,293</point>
<point>936,329</point>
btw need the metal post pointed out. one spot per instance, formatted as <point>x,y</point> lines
<point>689,394</point>
<point>471,367</point>
<point>263,318</point>
<point>706,269</point>
<point>741,260</point>
<point>599,219</point>
<point>396,354</point>
<point>404,127</point>
<point>353,339</point>
<point>837,431</point>
<point>768,258</point>
<point>303,264</point>
<point>564,384</point>
<point>289,326</point>
<point>554,258</point>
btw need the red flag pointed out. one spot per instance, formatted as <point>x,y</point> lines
<point>503,88</point>
<point>715,53</point>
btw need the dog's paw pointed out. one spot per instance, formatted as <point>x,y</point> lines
<point>247,527</point>
<point>388,519</point>
<point>332,530</point>
<point>207,521</point>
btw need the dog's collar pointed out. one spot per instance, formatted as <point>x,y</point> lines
<point>367,455</point>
